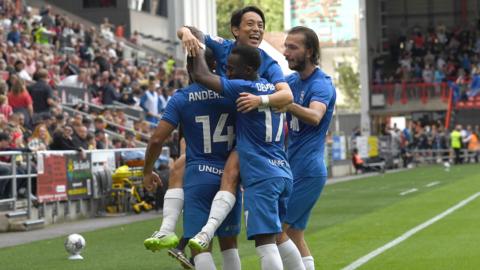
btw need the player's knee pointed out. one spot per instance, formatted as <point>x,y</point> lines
<point>228,242</point>
<point>264,239</point>
<point>297,236</point>
<point>282,237</point>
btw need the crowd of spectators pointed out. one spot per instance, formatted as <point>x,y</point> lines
<point>433,143</point>
<point>432,55</point>
<point>41,52</point>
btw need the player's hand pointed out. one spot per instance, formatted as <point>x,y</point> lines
<point>248,102</point>
<point>190,43</point>
<point>152,181</point>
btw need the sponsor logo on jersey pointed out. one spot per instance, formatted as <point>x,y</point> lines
<point>278,162</point>
<point>265,87</point>
<point>210,169</point>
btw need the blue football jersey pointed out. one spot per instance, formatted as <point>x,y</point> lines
<point>269,68</point>
<point>306,143</point>
<point>259,133</point>
<point>208,122</point>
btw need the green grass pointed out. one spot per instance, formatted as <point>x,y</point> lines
<point>350,220</point>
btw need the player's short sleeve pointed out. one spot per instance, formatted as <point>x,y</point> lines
<point>231,88</point>
<point>174,106</point>
<point>270,69</point>
<point>322,91</point>
<point>216,44</point>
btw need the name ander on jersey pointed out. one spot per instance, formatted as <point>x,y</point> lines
<point>203,95</point>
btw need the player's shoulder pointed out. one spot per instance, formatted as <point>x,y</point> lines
<point>292,77</point>
<point>219,40</point>
<point>320,78</point>
<point>182,93</point>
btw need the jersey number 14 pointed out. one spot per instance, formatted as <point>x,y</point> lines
<point>217,134</point>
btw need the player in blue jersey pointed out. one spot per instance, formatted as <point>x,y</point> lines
<point>308,120</point>
<point>208,122</point>
<point>265,172</point>
<point>247,25</point>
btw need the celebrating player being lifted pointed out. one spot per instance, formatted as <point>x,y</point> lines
<point>265,173</point>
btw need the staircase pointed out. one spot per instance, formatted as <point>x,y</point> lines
<point>17,220</point>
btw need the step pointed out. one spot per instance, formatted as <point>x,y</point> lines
<point>34,223</point>
<point>17,214</point>
<point>26,225</point>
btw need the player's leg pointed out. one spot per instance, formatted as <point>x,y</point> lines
<point>298,237</point>
<point>263,211</point>
<point>203,260</point>
<point>222,204</point>
<point>227,237</point>
<point>198,199</point>
<point>291,257</point>
<point>172,207</point>
<point>268,252</point>
<point>306,192</point>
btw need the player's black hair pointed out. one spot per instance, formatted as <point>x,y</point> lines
<point>249,56</point>
<point>310,40</point>
<point>237,15</point>
<point>209,58</point>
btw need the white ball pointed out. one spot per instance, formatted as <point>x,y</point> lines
<point>74,243</point>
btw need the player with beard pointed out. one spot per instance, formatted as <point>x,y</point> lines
<point>308,119</point>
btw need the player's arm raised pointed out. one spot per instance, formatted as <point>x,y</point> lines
<point>201,73</point>
<point>188,35</point>
<point>154,148</point>
<point>311,115</point>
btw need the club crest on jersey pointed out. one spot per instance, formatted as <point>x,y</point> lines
<point>302,96</point>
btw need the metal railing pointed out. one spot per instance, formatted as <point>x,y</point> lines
<point>14,176</point>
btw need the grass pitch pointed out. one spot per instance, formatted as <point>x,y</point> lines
<point>350,220</point>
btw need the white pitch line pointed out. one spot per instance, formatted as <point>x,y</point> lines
<point>432,184</point>
<point>408,191</point>
<point>361,261</point>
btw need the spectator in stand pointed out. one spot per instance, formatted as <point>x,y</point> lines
<point>62,139</point>
<point>40,139</point>
<point>19,98</point>
<point>77,81</point>
<point>130,139</point>
<point>101,139</point>
<point>5,109</point>
<point>110,92</point>
<point>21,72</point>
<point>42,93</point>
<point>427,74</point>
<point>99,123</point>
<point>3,122</point>
<point>14,35</point>
<point>80,136</point>
<point>151,103</point>
<point>120,31</point>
